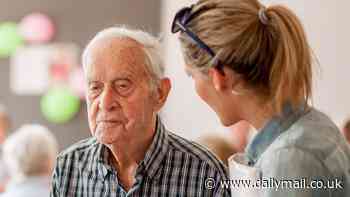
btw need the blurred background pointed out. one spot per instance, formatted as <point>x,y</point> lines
<point>34,77</point>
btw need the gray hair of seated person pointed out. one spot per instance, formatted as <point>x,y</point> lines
<point>30,151</point>
<point>151,48</point>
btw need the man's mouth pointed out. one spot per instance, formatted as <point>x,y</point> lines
<point>108,121</point>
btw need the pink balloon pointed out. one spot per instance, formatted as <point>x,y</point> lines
<point>77,83</point>
<point>37,28</point>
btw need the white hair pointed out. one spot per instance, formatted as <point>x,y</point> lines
<point>30,151</point>
<point>151,47</point>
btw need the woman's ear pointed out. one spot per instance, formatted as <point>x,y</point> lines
<point>226,79</point>
<point>218,78</point>
<point>223,80</point>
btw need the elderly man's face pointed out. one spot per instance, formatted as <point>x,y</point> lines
<point>120,100</point>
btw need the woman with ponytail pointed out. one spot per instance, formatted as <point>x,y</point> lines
<point>251,62</point>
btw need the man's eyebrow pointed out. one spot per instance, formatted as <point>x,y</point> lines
<point>120,79</point>
<point>123,75</point>
<point>89,82</point>
<point>112,81</point>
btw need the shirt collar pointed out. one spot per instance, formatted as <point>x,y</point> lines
<point>156,152</point>
<point>149,165</point>
<point>97,162</point>
<point>273,128</point>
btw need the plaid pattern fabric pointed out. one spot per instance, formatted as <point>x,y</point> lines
<point>172,166</point>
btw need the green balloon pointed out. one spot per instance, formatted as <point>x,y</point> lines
<point>59,105</point>
<point>10,39</point>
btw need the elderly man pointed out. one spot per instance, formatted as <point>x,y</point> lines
<point>131,153</point>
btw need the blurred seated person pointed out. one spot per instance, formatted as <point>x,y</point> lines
<point>233,140</point>
<point>346,130</point>
<point>219,145</point>
<point>4,127</point>
<point>30,154</point>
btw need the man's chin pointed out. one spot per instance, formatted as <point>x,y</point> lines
<point>106,137</point>
<point>106,141</point>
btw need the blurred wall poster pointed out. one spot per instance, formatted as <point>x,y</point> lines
<point>37,68</point>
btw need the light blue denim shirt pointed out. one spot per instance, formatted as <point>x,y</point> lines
<point>304,149</point>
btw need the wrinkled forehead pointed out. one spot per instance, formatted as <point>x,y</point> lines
<point>116,55</point>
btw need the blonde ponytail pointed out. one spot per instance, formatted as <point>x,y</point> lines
<point>291,69</point>
<point>269,49</point>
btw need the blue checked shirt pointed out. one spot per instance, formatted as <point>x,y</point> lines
<point>172,166</point>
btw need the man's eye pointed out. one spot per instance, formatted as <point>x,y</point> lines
<point>123,87</point>
<point>94,89</point>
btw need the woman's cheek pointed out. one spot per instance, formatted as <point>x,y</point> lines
<point>200,89</point>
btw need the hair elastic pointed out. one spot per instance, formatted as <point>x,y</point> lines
<point>262,16</point>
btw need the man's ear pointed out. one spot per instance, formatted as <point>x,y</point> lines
<point>162,92</point>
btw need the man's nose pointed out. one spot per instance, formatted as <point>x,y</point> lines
<point>108,99</point>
